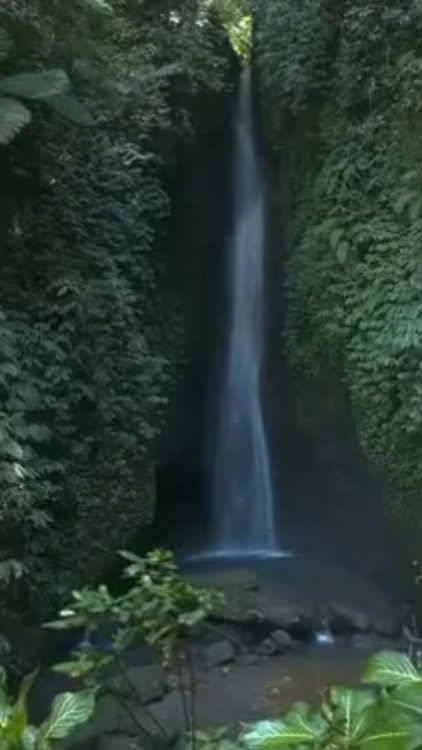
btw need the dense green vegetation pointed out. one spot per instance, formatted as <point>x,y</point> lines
<point>343,85</point>
<point>95,100</point>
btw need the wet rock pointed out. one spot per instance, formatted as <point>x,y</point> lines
<point>289,616</point>
<point>282,640</point>
<point>149,682</point>
<point>345,619</point>
<point>278,643</point>
<point>369,642</point>
<point>219,653</point>
<point>387,624</point>
<point>267,648</point>
<point>247,660</point>
<point>240,579</point>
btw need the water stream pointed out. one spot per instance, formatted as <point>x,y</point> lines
<point>243,499</point>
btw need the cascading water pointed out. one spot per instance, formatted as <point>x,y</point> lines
<point>243,500</point>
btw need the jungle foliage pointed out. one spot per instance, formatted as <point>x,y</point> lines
<point>343,86</point>
<point>95,97</point>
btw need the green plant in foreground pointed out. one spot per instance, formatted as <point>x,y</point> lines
<point>67,711</point>
<point>46,85</point>
<point>384,714</point>
<point>159,608</point>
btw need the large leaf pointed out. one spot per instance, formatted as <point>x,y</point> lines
<point>69,107</point>
<point>68,711</point>
<point>13,117</point>
<point>390,669</point>
<point>299,727</point>
<point>40,85</point>
<point>408,698</point>
<point>18,719</point>
<point>352,712</point>
<point>100,5</point>
<point>5,43</point>
<point>29,738</point>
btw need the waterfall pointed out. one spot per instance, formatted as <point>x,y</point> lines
<point>243,501</point>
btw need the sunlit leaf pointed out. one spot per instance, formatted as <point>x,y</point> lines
<point>299,726</point>
<point>390,668</point>
<point>68,711</point>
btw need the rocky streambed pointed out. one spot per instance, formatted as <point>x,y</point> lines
<point>274,642</point>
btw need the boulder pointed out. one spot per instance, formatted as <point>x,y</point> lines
<point>289,616</point>
<point>247,660</point>
<point>278,643</point>
<point>149,682</point>
<point>387,624</point>
<point>343,619</point>
<point>349,619</point>
<point>369,642</point>
<point>282,640</point>
<point>219,653</point>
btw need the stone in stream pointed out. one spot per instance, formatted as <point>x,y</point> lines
<point>149,682</point>
<point>219,653</point>
<point>345,618</point>
<point>277,644</point>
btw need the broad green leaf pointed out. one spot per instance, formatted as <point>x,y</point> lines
<point>13,117</point>
<point>408,698</point>
<point>69,108</point>
<point>385,740</point>
<point>299,726</point>
<point>390,669</point>
<point>5,44</point>
<point>68,711</point>
<point>29,738</point>
<point>351,709</point>
<point>40,85</point>
<point>18,718</point>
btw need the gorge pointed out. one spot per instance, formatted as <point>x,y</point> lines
<point>210,321</point>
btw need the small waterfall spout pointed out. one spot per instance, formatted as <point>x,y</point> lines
<point>243,500</point>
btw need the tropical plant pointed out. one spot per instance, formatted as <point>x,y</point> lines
<point>68,711</point>
<point>236,17</point>
<point>341,83</point>
<point>159,608</point>
<point>93,327</point>
<point>384,714</point>
<point>49,86</point>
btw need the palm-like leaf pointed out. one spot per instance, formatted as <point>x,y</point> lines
<point>40,85</point>
<point>5,43</point>
<point>13,117</point>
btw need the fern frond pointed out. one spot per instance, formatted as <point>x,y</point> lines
<point>40,85</point>
<point>13,117</point>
